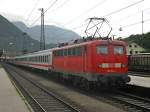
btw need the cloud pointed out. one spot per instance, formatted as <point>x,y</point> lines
<point>13,17</point>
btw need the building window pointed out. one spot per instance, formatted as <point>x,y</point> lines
<point>131,52</point>
<point>135,45</point>
<point>136,52</point>
<point>130,45</point>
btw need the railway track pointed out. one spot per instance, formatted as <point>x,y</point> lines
<point>130,102</point>
<point>127,101</point>
<point>40,99</point>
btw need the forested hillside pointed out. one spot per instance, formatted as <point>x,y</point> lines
<point>142,40</point>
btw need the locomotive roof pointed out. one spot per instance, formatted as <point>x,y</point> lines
<point>92,42</point>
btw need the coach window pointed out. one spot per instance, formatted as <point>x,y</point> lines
<point>42,59</point>
<point>101,49</point>
<point>45,58</point>
<point>39,58</point>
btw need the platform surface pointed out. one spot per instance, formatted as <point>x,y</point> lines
<point>10,101</point>
<point>140,81</point>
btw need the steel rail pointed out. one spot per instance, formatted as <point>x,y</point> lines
<point>66,105</point>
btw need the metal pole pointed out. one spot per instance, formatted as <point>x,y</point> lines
<point>42,38</point>
<point>142,23</point>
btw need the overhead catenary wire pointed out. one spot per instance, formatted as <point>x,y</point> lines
<point>60,6</point>
<point>111,13</point>
<point>32,10</point>
<point>87,11</point>
<point>116,11</point>
<point>44,12</point>
<point>135,23</point>
<point>128,16</point>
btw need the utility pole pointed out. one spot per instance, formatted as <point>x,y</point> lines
<point>42,38</point>
<point>142,23</point>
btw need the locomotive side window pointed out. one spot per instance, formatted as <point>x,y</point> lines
<point>102,49</point>
<point>78,51</point>
<point>73,51</point>
<point>118,49</point>
<point>65,52</point>
<point>69,52</point>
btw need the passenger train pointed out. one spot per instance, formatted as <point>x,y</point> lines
<point>100,62</point>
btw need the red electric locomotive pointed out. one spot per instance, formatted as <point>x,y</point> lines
<point>102,61</point>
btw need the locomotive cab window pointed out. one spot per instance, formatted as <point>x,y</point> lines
<point>102,49</point>
<point>118,49</point>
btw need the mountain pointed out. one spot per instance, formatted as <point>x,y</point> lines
<point>53,34</point>
<point>13,39</point>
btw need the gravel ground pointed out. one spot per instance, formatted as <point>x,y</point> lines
<point>87,102</point>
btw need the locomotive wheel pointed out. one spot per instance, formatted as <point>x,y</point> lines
<point>76,81</point>
<point>85,84</point>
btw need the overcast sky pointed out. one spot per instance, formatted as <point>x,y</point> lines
<point>70,14</point>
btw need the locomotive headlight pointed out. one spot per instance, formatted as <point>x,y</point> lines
<point>117,65</point>
<point>104,65</point>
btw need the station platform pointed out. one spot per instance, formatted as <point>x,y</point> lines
<point>140,81</point>
<point>10,100</point>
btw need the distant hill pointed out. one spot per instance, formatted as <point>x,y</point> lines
<point>13,39</point>
<point>142,40</point>
<point>53,34</point>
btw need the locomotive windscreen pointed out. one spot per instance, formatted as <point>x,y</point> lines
<point>102,49</point>
<point>118,49</point>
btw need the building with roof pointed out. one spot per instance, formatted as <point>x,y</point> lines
<point>134,48</point>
